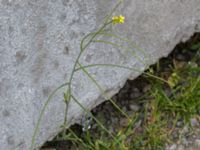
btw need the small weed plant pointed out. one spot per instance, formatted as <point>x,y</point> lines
<point>160,114</point>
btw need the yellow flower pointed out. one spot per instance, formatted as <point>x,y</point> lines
<point>118,19</point>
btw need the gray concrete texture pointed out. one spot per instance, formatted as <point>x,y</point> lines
<point>39,41</point>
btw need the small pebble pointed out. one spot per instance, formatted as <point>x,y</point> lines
<point>179,124</point>
<point>134,107</point>
<point>135,95</point>
<point>185,142</point>
<point>123,122</point>
<point>194,122</point>
<point>111,129</point>
<point>194,136</point>
<point>173,147</point>
<point>138,124</point>
<point>185,130</point>
<point>180,147</point>
<point>114,120</point>
<point>146,88</point>
<point>197,143</point>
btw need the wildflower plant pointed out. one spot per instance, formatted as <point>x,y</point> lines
<point>78,66</point>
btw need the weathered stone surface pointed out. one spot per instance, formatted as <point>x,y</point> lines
<point>39,41</point>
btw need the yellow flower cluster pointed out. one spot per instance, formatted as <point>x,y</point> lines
<point>118,19</point>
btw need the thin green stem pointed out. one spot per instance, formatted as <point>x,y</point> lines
<point>88,112</point>
<point>122,47</point>
<point>82,48</point>
<point>93,36</point>
<point>112,11</point>
<point>74,134</point>
<point>102,90</point>
<point>42,113</point>
<point>122,67</point>
<point>125,40</point>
